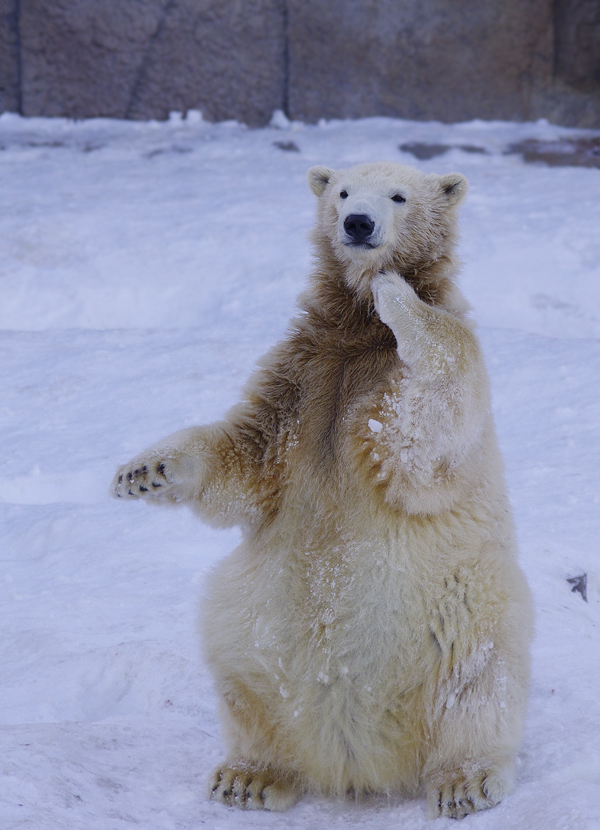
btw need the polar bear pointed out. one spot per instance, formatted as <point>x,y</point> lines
<point>371,633</point>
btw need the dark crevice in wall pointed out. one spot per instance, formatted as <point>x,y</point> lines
<point>142,71</point>
<point>286,59</point>
<point>555,37</point>
<point>19,68</point>
<point>11,86</point>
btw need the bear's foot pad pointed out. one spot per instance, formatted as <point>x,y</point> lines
<point>252,787</point>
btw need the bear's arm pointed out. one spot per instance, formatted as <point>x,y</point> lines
<point>436,413</point>
<point>229,472</point>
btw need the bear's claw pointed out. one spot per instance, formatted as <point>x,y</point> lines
<point>459,796</point>
<point>142,481</point>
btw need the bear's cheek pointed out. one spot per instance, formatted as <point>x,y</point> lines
<point>331,222</point>
<point>407,243</point>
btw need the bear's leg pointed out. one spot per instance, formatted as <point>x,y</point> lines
<point>478,699</point>
<point>252,786</point>
<point>471,765</point>
<point>255,775</point>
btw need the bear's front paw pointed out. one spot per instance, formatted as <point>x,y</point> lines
<point>391,295</point>
<point>155,478</point>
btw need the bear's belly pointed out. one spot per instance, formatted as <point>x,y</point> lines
<point>335,644</point>
<point>334,638</point>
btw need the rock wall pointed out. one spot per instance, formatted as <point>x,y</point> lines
<point>450,60</point>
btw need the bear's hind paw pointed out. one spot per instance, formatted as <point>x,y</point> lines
<point>252,787</point>
<point>459,796</point>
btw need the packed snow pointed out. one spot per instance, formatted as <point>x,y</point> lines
<point>144,267</point>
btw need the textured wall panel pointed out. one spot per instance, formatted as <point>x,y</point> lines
<point>144,58</point>
<point>417,58</point>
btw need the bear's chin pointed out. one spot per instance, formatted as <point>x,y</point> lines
<point>364,255</point>
<point>362,263</point>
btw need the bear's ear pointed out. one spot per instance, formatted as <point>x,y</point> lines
<point>318,178</point>
<point>454,186</point>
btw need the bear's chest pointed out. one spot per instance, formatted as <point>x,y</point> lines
<point>335,389</point>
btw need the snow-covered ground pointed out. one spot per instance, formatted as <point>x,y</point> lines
<point>143,269</point>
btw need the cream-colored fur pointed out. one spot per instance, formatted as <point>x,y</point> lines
<point>371,632</point>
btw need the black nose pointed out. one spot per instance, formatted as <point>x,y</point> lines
<point>359,227</point>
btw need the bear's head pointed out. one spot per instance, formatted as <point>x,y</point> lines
<point>386,216</point>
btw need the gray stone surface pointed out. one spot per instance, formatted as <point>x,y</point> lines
<point>450,60</point>
<point>10,82</point>
<point>577,42</point>
<point>144,58</point>
<point>572,96</point>
<point>82,58</point>
<point>224,57</point>
<point>423,59</point>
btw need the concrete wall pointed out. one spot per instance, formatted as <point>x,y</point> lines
<point>443,59</point>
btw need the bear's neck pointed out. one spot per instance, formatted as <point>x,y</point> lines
<point>340,319</point>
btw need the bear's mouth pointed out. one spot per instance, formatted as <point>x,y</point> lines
<point>364,246</point>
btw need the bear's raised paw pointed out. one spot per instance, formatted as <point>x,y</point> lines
<point>153,478</point>
<point>390,291</point>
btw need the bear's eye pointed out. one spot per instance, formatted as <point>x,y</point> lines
<point>397,197</point>
<point>344,194</point>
